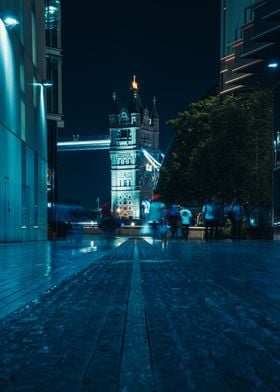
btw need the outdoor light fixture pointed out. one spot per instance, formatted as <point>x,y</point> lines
<point>44,83</point>
<point>47,83</point>
<point>273,65</point>
<point>9,21</point>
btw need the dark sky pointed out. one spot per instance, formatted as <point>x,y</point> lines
<point>173,50</point>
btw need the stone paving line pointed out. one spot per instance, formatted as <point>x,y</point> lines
<point>139,320</point>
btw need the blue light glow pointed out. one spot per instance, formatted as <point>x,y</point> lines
<point>43,83</point>
<point>273,65</point>
<point>43,111</point>
<point>253,222</point>
<point>47,83</point>
<point>10,21</point>
<point>7,77</point>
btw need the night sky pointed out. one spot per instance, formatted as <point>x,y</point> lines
<point>173,49</point>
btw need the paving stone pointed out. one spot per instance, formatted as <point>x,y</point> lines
<point>189,317</point>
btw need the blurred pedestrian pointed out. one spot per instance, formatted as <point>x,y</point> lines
<point>108,223</point>
<point>157,211</point>
<point>173,218</point>
<point>186,220</point>
<point>236,215</point>
<point>209,219</point>
<point>163,231</point>
<point>219,214</point>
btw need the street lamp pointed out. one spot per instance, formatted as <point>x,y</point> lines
<point>9,20</point>
<point>44,83</point>
<point>47,83</point>
<point>118,211</point>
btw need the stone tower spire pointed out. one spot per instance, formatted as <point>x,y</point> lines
<point>113,115</point>
<point>154,116</point>
<point>134,103</point>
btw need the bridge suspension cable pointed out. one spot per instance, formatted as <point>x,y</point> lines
<point>151,159</point>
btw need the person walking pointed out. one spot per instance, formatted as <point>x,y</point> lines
<point>208,212</point>
<point>156,212</point>
<point>186,220</point>
<point>219,215</point>
<point>173,218</point>
<point>163,230</point>
<point>236,214</point>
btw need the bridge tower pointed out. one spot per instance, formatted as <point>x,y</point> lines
<point>134,133</point>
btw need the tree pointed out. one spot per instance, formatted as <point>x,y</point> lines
<point>222,144</point>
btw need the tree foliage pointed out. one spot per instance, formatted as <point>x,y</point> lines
<point>222,144</point>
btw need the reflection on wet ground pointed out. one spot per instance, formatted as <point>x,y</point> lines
<point>28,269</point>
<point>247,268</point>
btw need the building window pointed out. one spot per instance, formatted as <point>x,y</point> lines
<point>125,183</point>
<point>54,101</point>
<point>53,23</point>
<point>248,14</point>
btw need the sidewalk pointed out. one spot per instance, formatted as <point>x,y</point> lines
<point>191,317</point>
<point>29,268</point>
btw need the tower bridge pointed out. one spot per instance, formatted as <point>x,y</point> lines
<point>97,142</point>
<point>133,144</point>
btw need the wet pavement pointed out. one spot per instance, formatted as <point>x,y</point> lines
<point>28,269</point>
<point>190,317</point>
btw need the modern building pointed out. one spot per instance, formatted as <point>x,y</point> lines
<point>55,120</point>
<point>23,132</point>
<point>250,60</point>
<point>134,153</point>
<point>30,115</point>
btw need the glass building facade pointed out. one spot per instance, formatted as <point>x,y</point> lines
<point>250,60</point>
<point>234,15</point>
<point>23,131</point>
<point>54,95</point>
